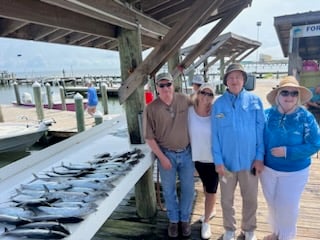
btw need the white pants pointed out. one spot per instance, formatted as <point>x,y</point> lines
<point>282,191</point>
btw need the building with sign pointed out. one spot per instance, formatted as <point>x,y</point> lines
<point>299,36</point>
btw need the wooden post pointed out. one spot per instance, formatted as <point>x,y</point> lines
<point>173,62</point>
<point>130,57</point>
<point>295,61</point>
<point>49,95</point>
<point>222,86</point>
<point>63,99</point>
<point>1,115</point>
<point>104,97</point>
<point>78,99</point>
<point>98,118</point>
<point>16,91</point>
<point>37,100</point>
<point>205,72</point>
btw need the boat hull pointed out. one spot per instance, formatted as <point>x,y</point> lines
<point>20,143</point>
<point>20,136</point>
<point>57,106</point>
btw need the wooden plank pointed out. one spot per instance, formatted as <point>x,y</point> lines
<point>50,15</point>
<point>156,228</point>
<point>173,40</point>
<point>207,40</point>
<point>78,149</point>
<point>125,224</point>
<point>66,124</point>
<point>104,10</point>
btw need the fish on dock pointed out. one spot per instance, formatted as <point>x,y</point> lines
<point>36,233</point>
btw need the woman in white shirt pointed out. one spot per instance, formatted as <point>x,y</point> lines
<point>199,125</point>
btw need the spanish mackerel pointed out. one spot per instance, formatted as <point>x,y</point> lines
<point>35,233</point>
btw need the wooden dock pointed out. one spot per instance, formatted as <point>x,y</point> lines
<point>124,223</point>
<point>65,126</point>
<point>71,90</point>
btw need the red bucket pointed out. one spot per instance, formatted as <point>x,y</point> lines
<point>148,96</point>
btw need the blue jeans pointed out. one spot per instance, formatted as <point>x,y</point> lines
<point>178,209</point>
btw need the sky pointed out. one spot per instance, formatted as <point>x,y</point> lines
<point>31,58</point>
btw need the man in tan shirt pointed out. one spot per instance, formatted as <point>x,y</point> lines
<point>166,133</point>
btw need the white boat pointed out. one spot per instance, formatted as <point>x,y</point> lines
<point>20,136</point>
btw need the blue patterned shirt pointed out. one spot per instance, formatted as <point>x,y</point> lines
<point>298,132</point>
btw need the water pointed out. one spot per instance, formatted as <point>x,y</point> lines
<point>7,96</point>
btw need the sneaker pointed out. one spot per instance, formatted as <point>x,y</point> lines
<point>205,231</point>
<point>229,235</point>
<point>173,230</point>
<point>249,236</point>
<point>213,214</point>
<point>185,229</point>
<point>271,237</point>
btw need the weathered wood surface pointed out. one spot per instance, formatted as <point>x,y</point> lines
<point>66,123</point>
<point>125,224</point>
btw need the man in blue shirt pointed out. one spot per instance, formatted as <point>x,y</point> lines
<point>237,146</point>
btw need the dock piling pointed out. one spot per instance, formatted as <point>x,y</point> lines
<point>16,92</point>
<point>104,96</point>
<point>37,99</point>
<point>98,118</point>
<point>49,95</point>
<point>79,112</point>
<point>63,99</point>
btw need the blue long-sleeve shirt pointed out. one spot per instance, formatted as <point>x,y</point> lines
<point>298,132</point>
<point>92,96</point>
<point>237,130</point>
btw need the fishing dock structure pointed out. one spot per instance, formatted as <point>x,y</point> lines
<point>79,149</point>
<point>119,220</point>
<point>65,121</point>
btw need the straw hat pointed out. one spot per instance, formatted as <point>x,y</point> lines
<point>289,81</point>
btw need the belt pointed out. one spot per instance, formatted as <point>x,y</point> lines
<point>178,150</point>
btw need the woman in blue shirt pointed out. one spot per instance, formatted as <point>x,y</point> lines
<point>92,98</point>
<point>291,136</point>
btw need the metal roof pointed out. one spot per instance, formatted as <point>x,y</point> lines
<point>309,47</point>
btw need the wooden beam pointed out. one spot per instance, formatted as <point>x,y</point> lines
<point>58,34</point>
<point>174,39</point>
<point>206,41</point>
<point>105,10</point>
<point>8,26</point>
<point>48,15</point>
<point>204,57</point>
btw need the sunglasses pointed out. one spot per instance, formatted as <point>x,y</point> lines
<point>204,93</point>
<point>162,85</point>
<point>286,93</point>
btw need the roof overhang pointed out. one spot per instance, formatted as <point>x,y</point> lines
<point>309,47</point>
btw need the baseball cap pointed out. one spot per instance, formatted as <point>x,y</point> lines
<point>164,76</point>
